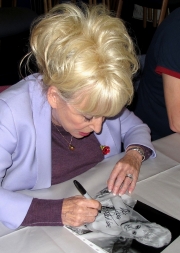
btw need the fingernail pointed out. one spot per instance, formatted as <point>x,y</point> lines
<point>114,194</point>
<point>120,194</point>
<point>109,190</point>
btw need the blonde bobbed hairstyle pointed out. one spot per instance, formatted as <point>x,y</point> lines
<point>86,54</point>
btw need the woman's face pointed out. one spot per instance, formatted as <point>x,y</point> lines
<point>136,229</point>
<point>71,119</point>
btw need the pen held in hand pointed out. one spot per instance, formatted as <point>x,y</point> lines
<point>83,192</point>
<point>81,189</point>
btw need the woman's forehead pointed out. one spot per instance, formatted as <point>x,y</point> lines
<point>97,106</point>
<point>83,104</point>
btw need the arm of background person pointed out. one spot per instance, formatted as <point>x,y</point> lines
<point>172,100</point>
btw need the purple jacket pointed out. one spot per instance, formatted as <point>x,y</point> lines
<point>25,146</point>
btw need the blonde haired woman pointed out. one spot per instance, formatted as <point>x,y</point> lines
<point>62,121</point>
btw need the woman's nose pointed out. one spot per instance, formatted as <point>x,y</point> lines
<point>96,124</point>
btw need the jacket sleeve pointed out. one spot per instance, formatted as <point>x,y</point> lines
<point>134,131</point>
<point>13,205</point>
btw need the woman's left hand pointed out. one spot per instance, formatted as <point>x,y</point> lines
<point>119,182</point>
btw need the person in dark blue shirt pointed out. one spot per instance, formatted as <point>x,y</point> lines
<point>158,95</point>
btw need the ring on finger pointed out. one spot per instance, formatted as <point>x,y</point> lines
<point>130,176</point>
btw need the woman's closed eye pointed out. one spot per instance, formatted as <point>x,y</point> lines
<point>87,119</point>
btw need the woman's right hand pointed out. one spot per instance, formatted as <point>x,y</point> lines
<point>77,211</point>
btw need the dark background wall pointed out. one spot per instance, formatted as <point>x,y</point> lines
<point>12,49</point>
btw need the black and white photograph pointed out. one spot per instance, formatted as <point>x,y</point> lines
<point>126,225</point>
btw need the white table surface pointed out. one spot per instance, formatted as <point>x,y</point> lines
<point>169,146</point>
<point>158,186</point>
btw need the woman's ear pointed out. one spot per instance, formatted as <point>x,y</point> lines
<point>53,96</point>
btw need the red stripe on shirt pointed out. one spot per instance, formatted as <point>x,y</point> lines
<point>161,70</point>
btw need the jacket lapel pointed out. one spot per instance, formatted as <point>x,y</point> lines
<point>42,123</point>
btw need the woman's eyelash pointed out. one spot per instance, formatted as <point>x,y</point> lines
<point>88,119</point>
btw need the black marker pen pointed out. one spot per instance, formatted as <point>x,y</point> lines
<point>81,189</point>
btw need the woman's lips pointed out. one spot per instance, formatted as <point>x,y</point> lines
<point>83,134</point>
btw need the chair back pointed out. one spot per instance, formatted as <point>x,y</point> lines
<point>2,88</point>
<point>150,12</point>
<point>114,5</point>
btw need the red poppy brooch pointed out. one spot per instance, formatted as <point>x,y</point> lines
<point>105,149</point>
